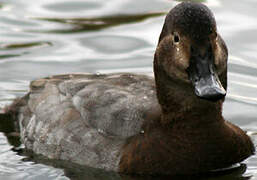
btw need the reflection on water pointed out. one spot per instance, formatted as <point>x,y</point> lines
<point>56,37</point>
<point>94,24</point>
<point>77,172</point>
<point>23,45</point>
<point>5,56</point>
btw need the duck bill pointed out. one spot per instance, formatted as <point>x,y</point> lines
<point>204,78</point>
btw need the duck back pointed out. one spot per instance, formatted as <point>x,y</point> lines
<point>85,118</point>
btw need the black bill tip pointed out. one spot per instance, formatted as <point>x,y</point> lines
<point>210,93</point>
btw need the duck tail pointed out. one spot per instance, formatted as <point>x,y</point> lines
<point>9,115</point>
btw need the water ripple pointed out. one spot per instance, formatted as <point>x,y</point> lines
<point>95,24</point>
<point>24,45</point>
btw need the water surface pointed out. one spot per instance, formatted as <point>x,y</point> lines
<point>43,38</point>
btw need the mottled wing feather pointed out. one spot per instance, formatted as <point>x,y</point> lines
<point>74,117</point>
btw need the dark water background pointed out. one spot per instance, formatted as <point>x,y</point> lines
<point>44,37</point>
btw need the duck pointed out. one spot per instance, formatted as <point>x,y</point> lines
<point>171,124</point>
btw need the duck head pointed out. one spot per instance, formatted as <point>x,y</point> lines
<point>191,54</point>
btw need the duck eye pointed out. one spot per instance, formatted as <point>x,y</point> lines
<point>176,38</point>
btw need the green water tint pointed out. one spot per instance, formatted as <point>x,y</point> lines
<point>9,56</point>
<point>14,46</point>
<point>98,23</point>
<point>23,45</point>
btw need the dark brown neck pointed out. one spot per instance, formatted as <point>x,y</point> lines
<point>179,103</point>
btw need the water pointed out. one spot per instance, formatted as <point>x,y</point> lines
<point>44,37</point>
